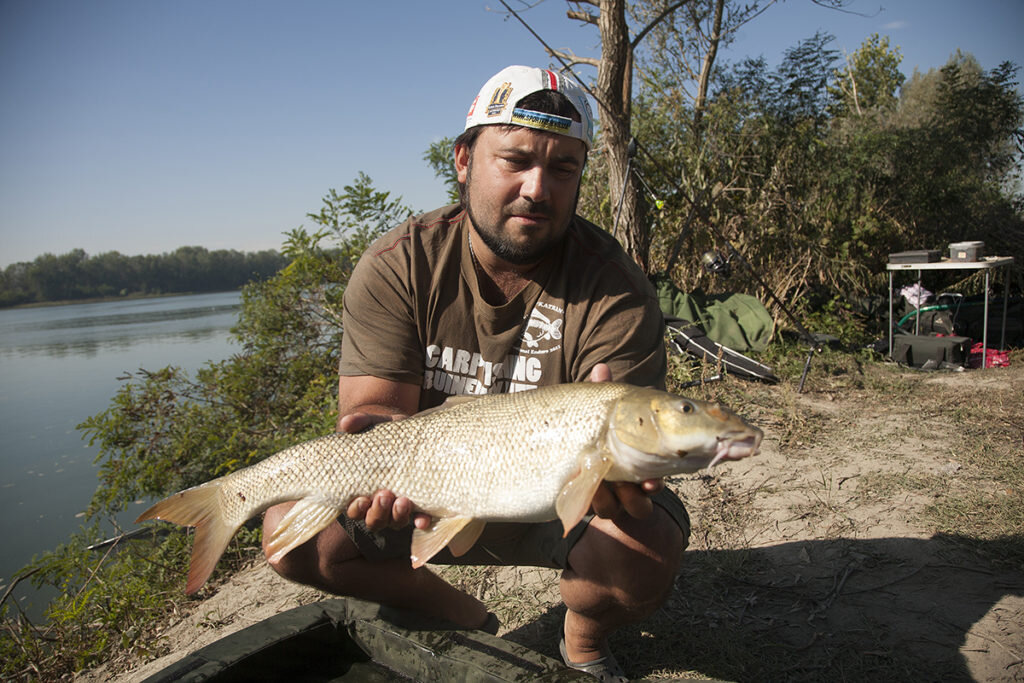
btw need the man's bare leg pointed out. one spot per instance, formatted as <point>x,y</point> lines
<point>331,562</point>
<point>621,570</point>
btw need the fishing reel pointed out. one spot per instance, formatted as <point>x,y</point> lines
<point>715,263</point>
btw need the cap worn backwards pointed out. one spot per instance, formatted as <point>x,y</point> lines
<point>497,100</point>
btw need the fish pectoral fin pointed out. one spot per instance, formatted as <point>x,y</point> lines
<point>466,538</point>
<point>574,498</point>
<point>460,532</point>
<point>306,519</point>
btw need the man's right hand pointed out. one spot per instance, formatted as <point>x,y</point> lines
<point>384,509</point>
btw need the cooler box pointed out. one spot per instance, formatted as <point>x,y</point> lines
<point>916,350</point>
<point>966,251</point>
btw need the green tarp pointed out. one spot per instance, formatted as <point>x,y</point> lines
<point>347,640</point>
<point>737,321</point>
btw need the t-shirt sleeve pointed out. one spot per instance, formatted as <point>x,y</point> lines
<point>380,336</point>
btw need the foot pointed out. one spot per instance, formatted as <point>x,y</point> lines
<point>491,625</point>
<point>605,668</point>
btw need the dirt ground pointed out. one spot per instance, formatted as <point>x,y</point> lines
<point>868,542</point>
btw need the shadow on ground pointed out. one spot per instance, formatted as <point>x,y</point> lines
<point>886,609</point>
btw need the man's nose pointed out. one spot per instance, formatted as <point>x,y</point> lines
<point>536,184</point>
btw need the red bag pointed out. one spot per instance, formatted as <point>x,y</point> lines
<point>993,357</point>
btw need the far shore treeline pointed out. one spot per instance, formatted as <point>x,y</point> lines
<point>77,276</point>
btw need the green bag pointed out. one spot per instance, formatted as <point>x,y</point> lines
<point>737,321</point>
<point>344,639</point>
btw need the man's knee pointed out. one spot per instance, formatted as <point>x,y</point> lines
<point>319,562</point>
<point>655,553</point>
<point>289,565</point>
<point>640,558</point>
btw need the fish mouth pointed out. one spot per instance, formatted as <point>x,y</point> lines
<point>735,448</point>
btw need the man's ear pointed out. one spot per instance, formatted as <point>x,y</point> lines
<point>462,153</point>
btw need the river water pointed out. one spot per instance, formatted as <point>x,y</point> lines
<point>60,365</point>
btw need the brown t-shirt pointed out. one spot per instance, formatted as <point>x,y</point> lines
<point>413,313</point>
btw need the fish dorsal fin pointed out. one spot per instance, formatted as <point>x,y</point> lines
<point>306,519</point>
<point>574,498</point>
<point>451,402</point>
<point>428,542</point>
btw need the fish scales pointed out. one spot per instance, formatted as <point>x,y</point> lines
<point>446,461</point>
<point>528,456</point>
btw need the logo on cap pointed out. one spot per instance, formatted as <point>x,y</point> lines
<point>541,121</point>
<point>499,99</point>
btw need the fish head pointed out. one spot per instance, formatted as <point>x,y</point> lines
<point>654,434</point>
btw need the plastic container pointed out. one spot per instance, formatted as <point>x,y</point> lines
<point>966,251</point>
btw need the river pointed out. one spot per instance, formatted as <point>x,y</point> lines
<point>60,365</point>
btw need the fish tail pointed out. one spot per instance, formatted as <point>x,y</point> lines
<point>198,507</point>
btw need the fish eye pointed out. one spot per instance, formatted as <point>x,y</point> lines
<point>687,407</point>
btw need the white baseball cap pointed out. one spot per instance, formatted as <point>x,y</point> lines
<point>496,102</point>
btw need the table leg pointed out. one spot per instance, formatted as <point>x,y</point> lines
<point>917,321</point>
<point>890,314</point>
<point>1006,297</point>
<point>984,327</point>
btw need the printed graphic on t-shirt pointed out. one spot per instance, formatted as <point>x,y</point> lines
<point>455,371</point>
<point>543,330</point>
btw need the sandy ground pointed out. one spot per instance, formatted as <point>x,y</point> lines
<point>815,559</point>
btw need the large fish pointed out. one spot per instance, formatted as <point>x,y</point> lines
<point>527,457</point>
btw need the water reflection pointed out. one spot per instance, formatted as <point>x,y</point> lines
<point>91,346</point>
<point>60,365</point>
<point>85,328</point>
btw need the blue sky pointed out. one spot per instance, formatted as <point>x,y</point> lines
<point>145,125</point>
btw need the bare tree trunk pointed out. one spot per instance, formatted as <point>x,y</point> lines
<point>614,94</point>
<point>709,62</point>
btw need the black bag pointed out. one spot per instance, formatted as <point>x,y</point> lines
<point>932,353</point>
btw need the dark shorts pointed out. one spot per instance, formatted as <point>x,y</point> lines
<point>502,543</point>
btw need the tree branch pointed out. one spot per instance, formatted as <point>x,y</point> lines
<point>709,61</point>
<point>585,17</point>
<point>570,59</point>
<point>654,22</point>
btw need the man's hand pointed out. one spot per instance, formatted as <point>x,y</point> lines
<point>600,373</point>
<point>384,509</point>
<point>613,497</point>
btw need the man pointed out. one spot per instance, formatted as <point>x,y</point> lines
<point>505,292</point>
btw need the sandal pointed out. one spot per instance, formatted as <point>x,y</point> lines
<point>605,669</point>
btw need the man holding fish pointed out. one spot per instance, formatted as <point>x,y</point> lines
<point>505,292</point>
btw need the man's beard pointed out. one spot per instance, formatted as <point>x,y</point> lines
<point>505,248</point>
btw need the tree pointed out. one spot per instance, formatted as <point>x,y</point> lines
<point>77,275</point>
<point>692,37</point>
<point>439,157</point>
<point>869,81</point>
<point>165,431</point>
<point>613,91</point>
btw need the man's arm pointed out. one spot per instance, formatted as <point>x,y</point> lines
<point>374,397</point>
